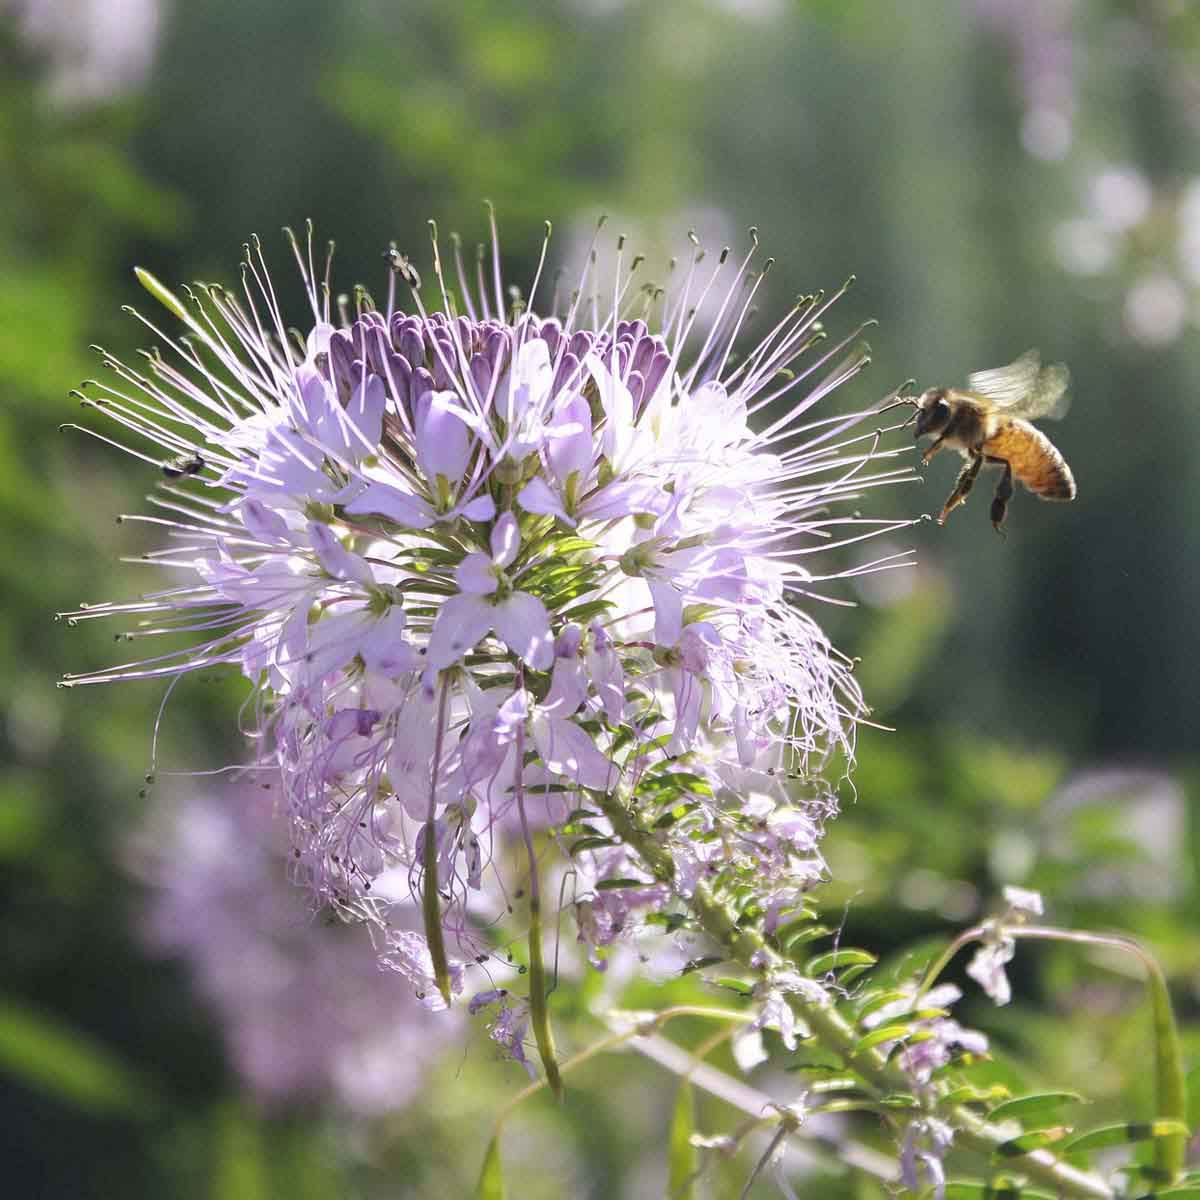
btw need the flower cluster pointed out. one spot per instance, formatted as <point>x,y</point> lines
<point>491,572</point>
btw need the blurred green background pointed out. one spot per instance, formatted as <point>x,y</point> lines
<point>998,173</point>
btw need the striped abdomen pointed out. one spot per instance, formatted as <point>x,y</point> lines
<point>1035,460</point>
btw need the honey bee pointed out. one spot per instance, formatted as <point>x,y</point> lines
<point>988,421</point>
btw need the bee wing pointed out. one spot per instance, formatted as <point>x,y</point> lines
<point>1007,386</point>
<point>1048,396</point>
<point>1025,388</point>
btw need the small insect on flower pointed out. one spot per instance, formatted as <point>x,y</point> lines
<point>191,464</point>
<point>988,421</point>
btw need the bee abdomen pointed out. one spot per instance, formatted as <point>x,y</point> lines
<point>1035,460</point>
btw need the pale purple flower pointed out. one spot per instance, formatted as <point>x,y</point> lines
<point>487,602</point>
<point>942,1037</point>
<point>485,569</point>
<point>987,967</point>
<point>922,1156</point>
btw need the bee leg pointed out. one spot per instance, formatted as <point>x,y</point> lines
<point>932,450</point>
<point>966,481</point>
<point>1004,491</point>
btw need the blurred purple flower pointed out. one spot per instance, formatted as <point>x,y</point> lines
<point>306,1009</point>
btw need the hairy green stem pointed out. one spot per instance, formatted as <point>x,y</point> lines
<point>829,1027</point>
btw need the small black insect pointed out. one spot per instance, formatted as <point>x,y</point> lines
<point>178,467</point>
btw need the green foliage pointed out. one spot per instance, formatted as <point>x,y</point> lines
<point>42,1053</point>
<point>1006,669</point>
<point>491,1176</point>
<point>681,1154</point>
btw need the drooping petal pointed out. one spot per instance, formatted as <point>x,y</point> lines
<point>336,559</point>
<point>523,625</point>
<point>460,625</point>
<point>383,647</point>
<point>607,675</point>
<point>568,751</point>
<point>568,687</point>
<point>668,612</point>
<point>384,500</point>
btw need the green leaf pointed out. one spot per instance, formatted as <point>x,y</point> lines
<point>733,984</point>
<point>848,957</point>
<point>968,1093</point>
<point>239,1159</point>
<point>1022,1106</point>
<point>1190,1192</point>
<point>1123,1135</point>
<point>1192,1087</point>
<point>885,1033</point>
<point>591,843</point>
<point>968,1189</point>
<point>491,1178</point>
<point>59,1061</point>
<point>798,937</point>
<point>614,885</point>
<point>682,1154</point>
<point>1027,1143</point>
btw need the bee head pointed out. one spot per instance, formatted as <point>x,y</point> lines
<point>933,412</point>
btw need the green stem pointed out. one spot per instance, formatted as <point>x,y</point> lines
<point>829,1027</point>
<point>1170,1085</point>
<point>430,908</point>
<point>539,1017</point>
<point>640,1028</point>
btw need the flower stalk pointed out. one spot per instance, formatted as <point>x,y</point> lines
<point>834,1033</point>
<point>430,904</point>
<point>539,1017</point>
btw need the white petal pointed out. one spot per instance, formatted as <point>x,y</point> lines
<point>336,559</point>
<point>461,623</point>
<point>569,444</point>
<point>568,751</point>
<point>476,576</point>
<point>506,538</point>
<point>264,523</point>
<point>482,508</point>
<point>537,496</point>
<point>524,627</point>
<point>443,443</point>
<point>366,415</point>
<point>384,649</point>
<point>334,640</point>
<point>401,507</point>
<point>668,613</point>
<point>568,687</point>
<point>618,410</point>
